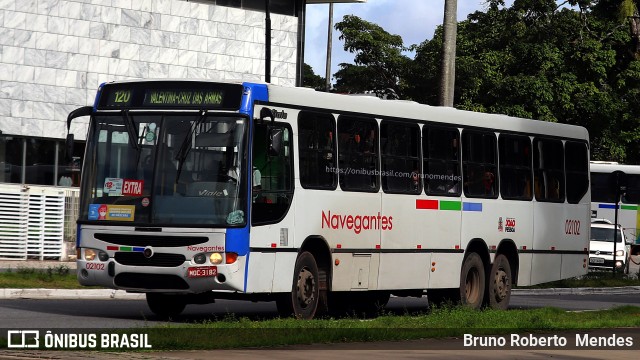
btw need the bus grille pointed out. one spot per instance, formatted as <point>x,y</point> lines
<point>150,281</point>
<point>160,260</point>
<point>151,240</point>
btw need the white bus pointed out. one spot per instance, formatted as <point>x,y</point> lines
<point>603,198</point>
<point>198,190</point>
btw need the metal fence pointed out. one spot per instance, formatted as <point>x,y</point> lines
<point>35,221</point>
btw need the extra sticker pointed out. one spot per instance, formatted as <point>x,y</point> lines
<point>120,187</point>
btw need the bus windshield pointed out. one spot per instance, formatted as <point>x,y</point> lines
<point>169,168</point>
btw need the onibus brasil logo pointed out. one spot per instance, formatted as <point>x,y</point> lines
<point>30,339</point>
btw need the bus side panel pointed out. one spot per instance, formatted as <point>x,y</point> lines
<point>283,271</point>
<point>512,220</point>
<point>404,262</point>
<point>549,220</point>
<point>447,270</point>
<point>279,238</point>
<point>577,235</point>
<point>436,222</point>
<point>260,272</point>
<point>524,271</point>
<point>331,215</point>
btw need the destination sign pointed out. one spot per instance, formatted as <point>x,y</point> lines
<point>183,97</point>
<point>170,94</point>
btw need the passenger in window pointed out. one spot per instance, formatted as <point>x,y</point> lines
<point>526,191</point>
<point>487,183</point>
<point>370,142</point>
<point>415,180</point>
<point>454,148</point>
<point>554,189</point>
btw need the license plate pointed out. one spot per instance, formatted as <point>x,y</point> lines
<point>596,260</point>
<point>203,271</point>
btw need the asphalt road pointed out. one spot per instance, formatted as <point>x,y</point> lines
<point>114,313</point>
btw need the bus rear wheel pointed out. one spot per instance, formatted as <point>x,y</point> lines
<point>472,281</point>
<point>165,305</point>
<point>303,301</point>
<point>500,283</point>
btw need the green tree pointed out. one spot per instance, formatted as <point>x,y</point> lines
<point>310,79</point>
<point>379,66</point>
<point>538,60</point>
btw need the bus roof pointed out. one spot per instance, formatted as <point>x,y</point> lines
<point>412,110</point>
<point>608,167</point>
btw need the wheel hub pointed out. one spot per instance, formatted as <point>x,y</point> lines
<point>500,284</point>
<point>305,287</point>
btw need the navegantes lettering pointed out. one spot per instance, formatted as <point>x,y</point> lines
<point>357,223</point>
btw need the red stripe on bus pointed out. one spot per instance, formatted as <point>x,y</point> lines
<point>427,204</point>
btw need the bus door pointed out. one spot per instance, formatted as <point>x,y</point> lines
<point>272,237</point>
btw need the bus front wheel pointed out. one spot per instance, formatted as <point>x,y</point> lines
<point>472,281</point>
<point>303,301</point>
<point>500,283</point>
<point>165,305</point>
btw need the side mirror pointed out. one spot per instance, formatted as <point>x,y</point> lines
<point>68,146</point>
<point>275,141</point>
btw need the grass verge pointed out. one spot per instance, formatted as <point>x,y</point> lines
<point>58,277</point>
<point>593,279</point>
<point>438,323</point>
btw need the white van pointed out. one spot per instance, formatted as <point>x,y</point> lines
<point>601,247</point>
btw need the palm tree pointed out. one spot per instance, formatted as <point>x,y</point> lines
<point>447,76</point>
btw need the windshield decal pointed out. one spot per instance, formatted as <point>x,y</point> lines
<point>113,186</point>
<point>111,212</point>
<point>120,187</point>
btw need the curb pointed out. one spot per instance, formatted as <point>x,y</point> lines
<point>69,294</point>
<point>578,291</point>
<point>109,294</point>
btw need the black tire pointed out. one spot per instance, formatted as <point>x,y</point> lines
<point>472,281</point>
<point>166,306</point>
<point>499,293</point>
<point>304,298</point>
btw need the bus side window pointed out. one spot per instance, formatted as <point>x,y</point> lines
<point>317,148</point>
<point>358,154</point>
<point>515,167</point>
<point>548,165</point>
<point>271,203</point>
<point>480,164</point>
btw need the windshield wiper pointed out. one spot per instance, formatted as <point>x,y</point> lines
<point>131,130</point>
<point>181,156</point>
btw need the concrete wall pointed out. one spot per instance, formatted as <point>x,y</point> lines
<point>55,53</point>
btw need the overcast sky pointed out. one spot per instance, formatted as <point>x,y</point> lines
<point>414,20</point>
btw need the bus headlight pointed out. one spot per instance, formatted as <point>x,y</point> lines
<point>215,258</point>
<point>619,252</point>
<point>89,254</point>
